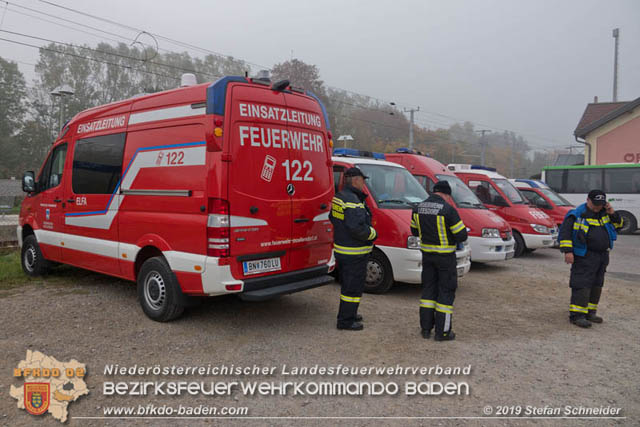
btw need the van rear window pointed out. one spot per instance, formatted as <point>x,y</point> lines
<point>97,164</point>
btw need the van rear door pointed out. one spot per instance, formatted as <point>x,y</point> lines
<point>259,206</point>
<point>309,176</point>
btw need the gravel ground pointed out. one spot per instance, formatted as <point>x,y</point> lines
<point>511,321</point>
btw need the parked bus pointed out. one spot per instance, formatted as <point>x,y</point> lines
<point>621,182</point>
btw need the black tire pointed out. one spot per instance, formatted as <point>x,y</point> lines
<point>379,274</point>
<point>520,246</point>
<point>31,258</point>
<point>629,223</point>
<point>158,291</point>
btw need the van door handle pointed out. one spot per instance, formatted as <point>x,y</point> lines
<point>57,200</point>
<point>70,200</point>
<point>323,206</point>
<point>298,220</point>
<point>253,209</point>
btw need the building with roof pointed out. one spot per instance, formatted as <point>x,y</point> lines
<point>610,132</point>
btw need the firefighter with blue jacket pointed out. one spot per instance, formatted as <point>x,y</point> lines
<point>353,238</point>
<point>441,230</point>
<point>586,237</point>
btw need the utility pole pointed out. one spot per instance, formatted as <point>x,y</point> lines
<point>411,111</point>
<point>616,35</point>
<point>513,147</point>
<point>483,144</point>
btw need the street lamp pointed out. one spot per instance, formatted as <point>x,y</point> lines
<point>62,91</point>
<point>345,138</point>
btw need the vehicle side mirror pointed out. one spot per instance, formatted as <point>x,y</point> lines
<point>542,204</point>
<point>29,182</point>
<point>500,201</point>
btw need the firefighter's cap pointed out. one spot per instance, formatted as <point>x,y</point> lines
<point>351,172</point>
<point>598,197</point>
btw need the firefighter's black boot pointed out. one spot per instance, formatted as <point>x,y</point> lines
<point>443,327</point>
<point>580,321</point>
<point>426,333</point>
<point>594,299</point>
<point>347,316</point>
<point>591,317</point>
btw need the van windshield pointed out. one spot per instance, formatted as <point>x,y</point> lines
<point>393,187</point>
<point>512,193</point>
<point>555,198</point>
<point>461,194</point>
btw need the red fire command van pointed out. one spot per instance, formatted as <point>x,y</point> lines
<point>392,192</point>
<point>203,190</point>
<point>489,235</point>
<point>544,198</point>
<point>532,228</point>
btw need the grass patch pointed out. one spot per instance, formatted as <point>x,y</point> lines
<point>11,274</point>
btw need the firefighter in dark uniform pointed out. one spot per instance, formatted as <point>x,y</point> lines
<point>440,230</point>
<point>353,238</point>
<point>586,237</point>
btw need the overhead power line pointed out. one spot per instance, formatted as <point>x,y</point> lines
<point>201,49</point>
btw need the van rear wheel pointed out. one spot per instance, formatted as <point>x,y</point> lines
<point>379,274</point>
<point>31,258</point>
<point>158,290</point>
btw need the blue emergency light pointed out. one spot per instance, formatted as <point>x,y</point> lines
<point>484,168</point>
<point>405,150</point>
<point>353,152</point>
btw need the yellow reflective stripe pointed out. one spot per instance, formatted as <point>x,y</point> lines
<point>437,248</point>
<point>618,224</point>
<point>345,250</point>
<point>578,226</point>
<point>414,221</point>
<point>418,226</point>
<point>337,201</point>
<point>593,306</point>
<point>566,244</point>
<point>427,303</point>
<point>605,219</point>
<point>443,308</point>
<point>442,230</point>
<point>372,233</point>
<point>337,214</point>
<point>349,299</point>
<point>595,222</point>
<point>578,309</point>
<point>457,227</point>
<point>354,205</point>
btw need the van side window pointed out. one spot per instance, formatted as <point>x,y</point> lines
<point>97,164</point>
<point>338,172</point>
<point>52,171</point>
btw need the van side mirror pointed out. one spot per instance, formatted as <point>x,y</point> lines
<point>500,201</point>
<point>540,203</point>
<point>29,182</point>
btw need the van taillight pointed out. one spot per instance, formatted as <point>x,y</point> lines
<point>218,228</point>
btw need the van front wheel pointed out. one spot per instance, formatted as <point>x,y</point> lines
<point>31,258</point>
<point>158,290</point>
<point>379,274</point>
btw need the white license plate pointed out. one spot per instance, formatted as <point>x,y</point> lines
<point>261,265</point>
<point>510,255</point>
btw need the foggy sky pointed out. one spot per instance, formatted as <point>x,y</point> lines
<point>526,66</point>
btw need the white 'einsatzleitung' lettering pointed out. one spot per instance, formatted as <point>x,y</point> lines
<point>286,115</point>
